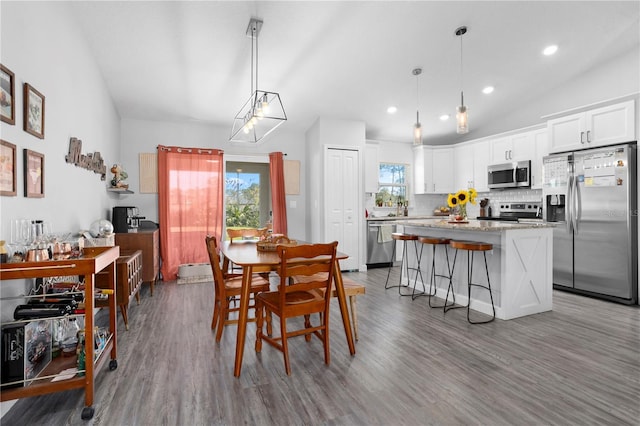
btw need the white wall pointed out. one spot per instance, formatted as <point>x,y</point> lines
<point>40,45</point>
<point>330,132</point>
<point>140,136</point>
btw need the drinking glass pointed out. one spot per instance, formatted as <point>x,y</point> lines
<point>20,231</point>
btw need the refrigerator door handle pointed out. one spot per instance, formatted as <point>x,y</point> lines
<point>569,218</point>
<point>577,209</point>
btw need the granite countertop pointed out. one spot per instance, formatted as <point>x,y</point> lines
<point>403,218</point>
<point>477,225</point>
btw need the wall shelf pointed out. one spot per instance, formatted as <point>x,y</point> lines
<point>120,190</point>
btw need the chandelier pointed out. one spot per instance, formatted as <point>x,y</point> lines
<point>263,112</point>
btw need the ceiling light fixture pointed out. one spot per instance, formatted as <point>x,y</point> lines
<point>444,117</point>
<point>392,110</point>
<point>417,128</point>
<point>487,90</point>
<point>550,50</point>
<point>461,111</point>
<point>263,112</point>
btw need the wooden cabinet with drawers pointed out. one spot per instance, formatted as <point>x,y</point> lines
<point>148,241</point>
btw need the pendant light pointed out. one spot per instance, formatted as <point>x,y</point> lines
<point>461,112</point>
<point>417,128</point>
<point>263,112</point>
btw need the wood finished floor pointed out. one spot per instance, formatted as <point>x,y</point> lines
<point>576,365</point>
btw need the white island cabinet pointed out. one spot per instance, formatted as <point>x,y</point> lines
<point>520,265</point>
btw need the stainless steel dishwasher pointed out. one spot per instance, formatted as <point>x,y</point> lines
<point>379,243</point>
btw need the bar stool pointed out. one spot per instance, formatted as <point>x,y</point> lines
<point>398,236</point>
<point>471,247</point>
<point>436,242</point>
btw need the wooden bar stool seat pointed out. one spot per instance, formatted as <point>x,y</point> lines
<point>404,265</point>
<point>433,287</point>
<point>471,247</point>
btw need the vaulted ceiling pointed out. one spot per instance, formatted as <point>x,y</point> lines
<point>190,61</point>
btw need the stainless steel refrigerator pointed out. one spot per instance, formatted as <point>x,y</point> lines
<point>592,196</point>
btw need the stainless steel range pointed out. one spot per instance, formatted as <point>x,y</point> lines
<point>513,211</point>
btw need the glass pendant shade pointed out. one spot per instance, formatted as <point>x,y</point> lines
<point>417,131</point>
<point>462,120</point>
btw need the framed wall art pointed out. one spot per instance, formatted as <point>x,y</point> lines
<point>33,174</point>
<point>7,95</point>
<point>33,111</point>
<point>8,166</point>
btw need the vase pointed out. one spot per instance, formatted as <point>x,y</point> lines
<point>462,212</point>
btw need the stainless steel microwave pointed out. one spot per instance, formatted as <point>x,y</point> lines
<point>510,175</point>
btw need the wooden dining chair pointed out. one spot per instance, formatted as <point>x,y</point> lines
<point>226,288</point>
<point>242,234</point>
<point>297,296</point>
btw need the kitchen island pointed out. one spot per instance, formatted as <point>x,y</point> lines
<point>520,264</point>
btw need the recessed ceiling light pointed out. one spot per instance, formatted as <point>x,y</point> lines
<point>392,110</point>
<point>444,117</point>
<point>487,90</point>
<point>550,50</point>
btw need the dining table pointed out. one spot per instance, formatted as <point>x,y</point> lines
<point>246,255</point>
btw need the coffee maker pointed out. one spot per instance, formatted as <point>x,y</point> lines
<point>125,219</point>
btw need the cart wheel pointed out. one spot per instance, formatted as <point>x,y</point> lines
<point>87,413</point>
<point>113,364</point>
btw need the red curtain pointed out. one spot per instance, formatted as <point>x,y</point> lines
<point>190,197</point>
<point>278,198</point>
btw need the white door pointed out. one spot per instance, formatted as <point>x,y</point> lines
<point>342,180</point>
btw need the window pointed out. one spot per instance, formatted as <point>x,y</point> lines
<point>392,184</point>
<point>247,194</point>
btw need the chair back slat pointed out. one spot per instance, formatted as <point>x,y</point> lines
<point>310,267</point>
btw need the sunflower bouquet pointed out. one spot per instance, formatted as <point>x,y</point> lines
<point>460,199</point>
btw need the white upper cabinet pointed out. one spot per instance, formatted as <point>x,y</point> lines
<point>463,166</point>
<point>511,148</point>
<point>371,167</point>
<point>541,142</point>
<point>602,126</point>
<point>422,169</point>
<point>443,171</point>
<point>481,160</point>
<point>471,162</point>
